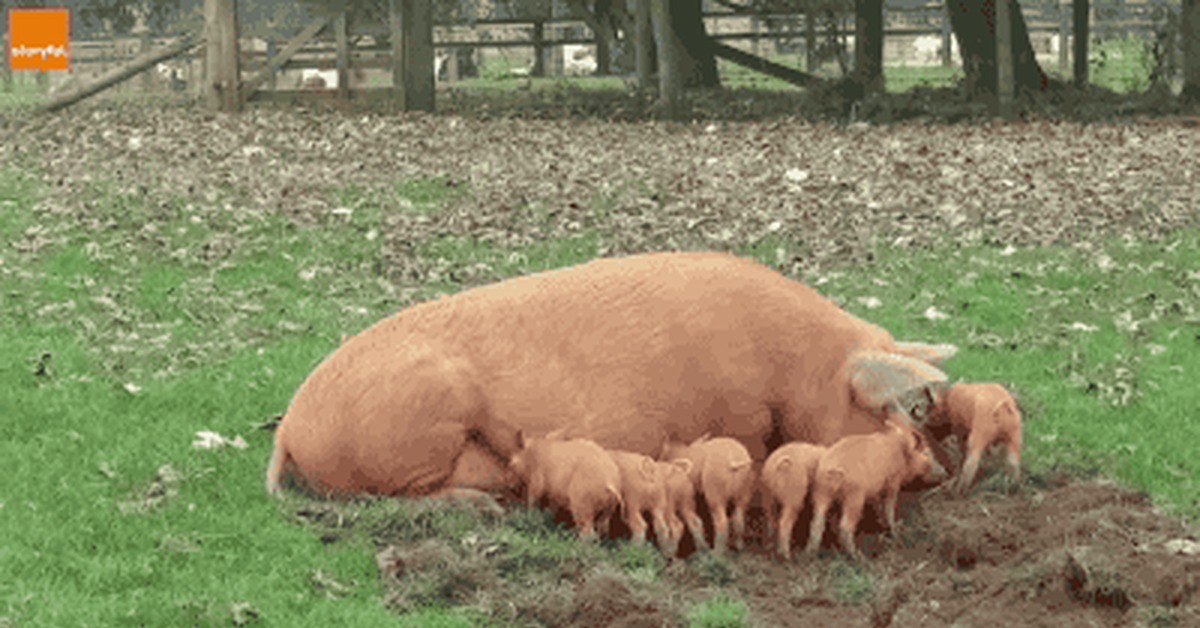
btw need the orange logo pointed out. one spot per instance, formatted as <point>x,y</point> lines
<point>39,38</point>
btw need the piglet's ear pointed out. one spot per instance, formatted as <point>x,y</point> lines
<point>647,467</point>
<point>683,464</point>
<point>558,434</point>
<point>931,353</point>
<point>879,379</point>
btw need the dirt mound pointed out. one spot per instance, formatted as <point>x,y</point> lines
<point>1070,553</point>
<point>605,600</point>
<point>1057,552</point>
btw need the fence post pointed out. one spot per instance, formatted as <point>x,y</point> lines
<point>947,34</point>
<point>271,50</point>
<point>6,77</point>
<point>810,39</point>
<point>1064,35</point>
<point>754,30</point>
<point>539,51</point>
<point>147,78</point>
<point>556,56</point>
<point>1079,43</point>
<point>412,54</point>
<point>343,57</point>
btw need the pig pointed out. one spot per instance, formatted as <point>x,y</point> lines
<point>980,415</point>
<point>627,351</point>
<point>681,503</point>
<point>643,489</point>
<point>786,477</point>
<point>867,467</point>
<point>723,472</point>
<point>576,474</point>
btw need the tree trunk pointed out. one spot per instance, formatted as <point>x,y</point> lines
<point>1191,50</point>
<point>685,54</point>
<point>973,22</point>
<point>1004,58</point>
<point>868,44</point>
<point>604,45</point>
<point>644,43</point>
<point>223,81</point>
<point>670,55</point>
<point>698,62</point>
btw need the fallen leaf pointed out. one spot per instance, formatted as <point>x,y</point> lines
<point>213,440</point>
<point>933,314</point>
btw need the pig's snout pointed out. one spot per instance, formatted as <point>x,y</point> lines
<point>935,472</point>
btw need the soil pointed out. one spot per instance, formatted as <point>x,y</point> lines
<point>1058,550</point>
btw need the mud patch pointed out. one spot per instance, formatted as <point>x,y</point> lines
<point>1057,552</point>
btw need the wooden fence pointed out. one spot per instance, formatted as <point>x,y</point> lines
<point>546,39</point>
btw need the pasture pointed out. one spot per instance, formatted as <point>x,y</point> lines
<point>165,271</point>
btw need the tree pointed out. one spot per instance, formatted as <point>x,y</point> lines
<point>1191,50</point>
<point>120,16</point>
<point>973,23</point>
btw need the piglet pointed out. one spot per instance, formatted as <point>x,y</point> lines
<point>981,415</point>
<point>870,466</point>
<point>681,503</point>
<point>643,490</point>
<point>786,477</point>
<point>577,474</point>
<point>723,473</point>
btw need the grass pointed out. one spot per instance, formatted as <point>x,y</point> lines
<point>102,397</point>
<point>719,612</point>
<point>1122,65</point>
<point>1117,325</point>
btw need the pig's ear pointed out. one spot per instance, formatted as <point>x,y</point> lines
<point>520,439</point>
<point>879,379</point>
<point>558,434</point>
<point>925,352</point>
<point>683,464</point>
<point>648,469</point>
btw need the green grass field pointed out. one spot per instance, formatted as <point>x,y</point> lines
<point>129,330</point>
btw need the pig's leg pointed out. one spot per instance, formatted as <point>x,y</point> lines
<point>720,519</point>
<point>636,522</point>
<point>670,543</point>
<point>852,508</point>
<point>695,526</point>
<point>739,520</point>
<point>890,496</point>
<point>603,521</point>
<point>976,444</point>
<point>817,527</point>
<point>787,521</point>
<point>587,528</point>
<point>585,514</point>
<point>1013,459</point>
<point>772,512</point>
<point>536,489</point>
<point>661,530</point>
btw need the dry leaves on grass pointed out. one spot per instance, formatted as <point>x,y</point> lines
<point>807,196</point>
<point>831,190</point>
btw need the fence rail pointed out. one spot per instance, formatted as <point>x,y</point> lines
<point>552,33</point>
